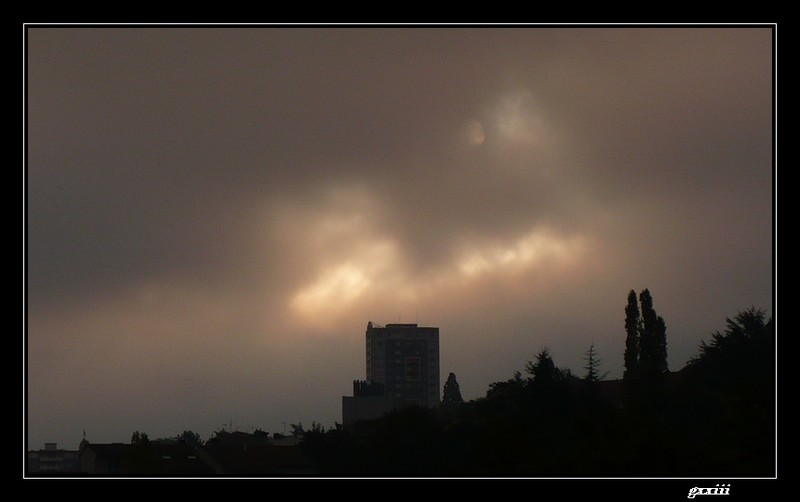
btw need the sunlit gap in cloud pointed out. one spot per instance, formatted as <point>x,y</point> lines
<point>375,275</point>
<point>536,247</point>
<point>358,265</point>
<point>352,259</point>
<point>373,269</point>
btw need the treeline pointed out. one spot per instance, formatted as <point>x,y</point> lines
<point>713,418</point>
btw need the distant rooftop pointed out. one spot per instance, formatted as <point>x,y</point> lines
<point>371,324</point>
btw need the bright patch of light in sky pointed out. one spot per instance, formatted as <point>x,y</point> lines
<point>338,287</point>
<point>530,250</point>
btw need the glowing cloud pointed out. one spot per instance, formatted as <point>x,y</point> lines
<point>533,248</point>
<point>343,284</point>
<point>373,267</point>
<point>375,272</point>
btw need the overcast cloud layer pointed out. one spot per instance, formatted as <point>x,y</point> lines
<point>214,215</point>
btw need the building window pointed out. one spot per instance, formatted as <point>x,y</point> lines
<point>413,369</point>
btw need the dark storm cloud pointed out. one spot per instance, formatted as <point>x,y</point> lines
<point>136,134</point>
<point>223,206</point>
<point>681,108</point>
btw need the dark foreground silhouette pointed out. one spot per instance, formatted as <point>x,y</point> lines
<point>714,418</point>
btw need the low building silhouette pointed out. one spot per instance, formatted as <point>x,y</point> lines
<point>227,454</point>
<point>144,459</point>
<point>52,461</point>
<point>368,401</point>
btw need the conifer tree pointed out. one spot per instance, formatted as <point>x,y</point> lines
<point>661,346</point>
<point>652,339</point>
<point>543,371</point>
<point>452,392</point>
<point>647,326</point>
<point>592,365</point>
<point>632,338</point>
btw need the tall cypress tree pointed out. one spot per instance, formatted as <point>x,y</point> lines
<point>652,339</point>
<point>647,328</point>
<point>661,346</point>
<point>632,338</point>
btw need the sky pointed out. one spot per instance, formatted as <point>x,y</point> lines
<point>214,214</point>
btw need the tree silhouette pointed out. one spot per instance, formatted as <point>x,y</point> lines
<point>652,339</point>
<point>512,386</point>
<point>139,438</point>
<point>190,438</point>
<point>743,352</point>
<point>543,371</point>
<point>714,419</point>
<point>647,352</point>
<point>592,365</point>
<point>451,393</point>
<point>297,430</point>
<point>632,338</point>
<point>731,387</point>
<point>661,346</point>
